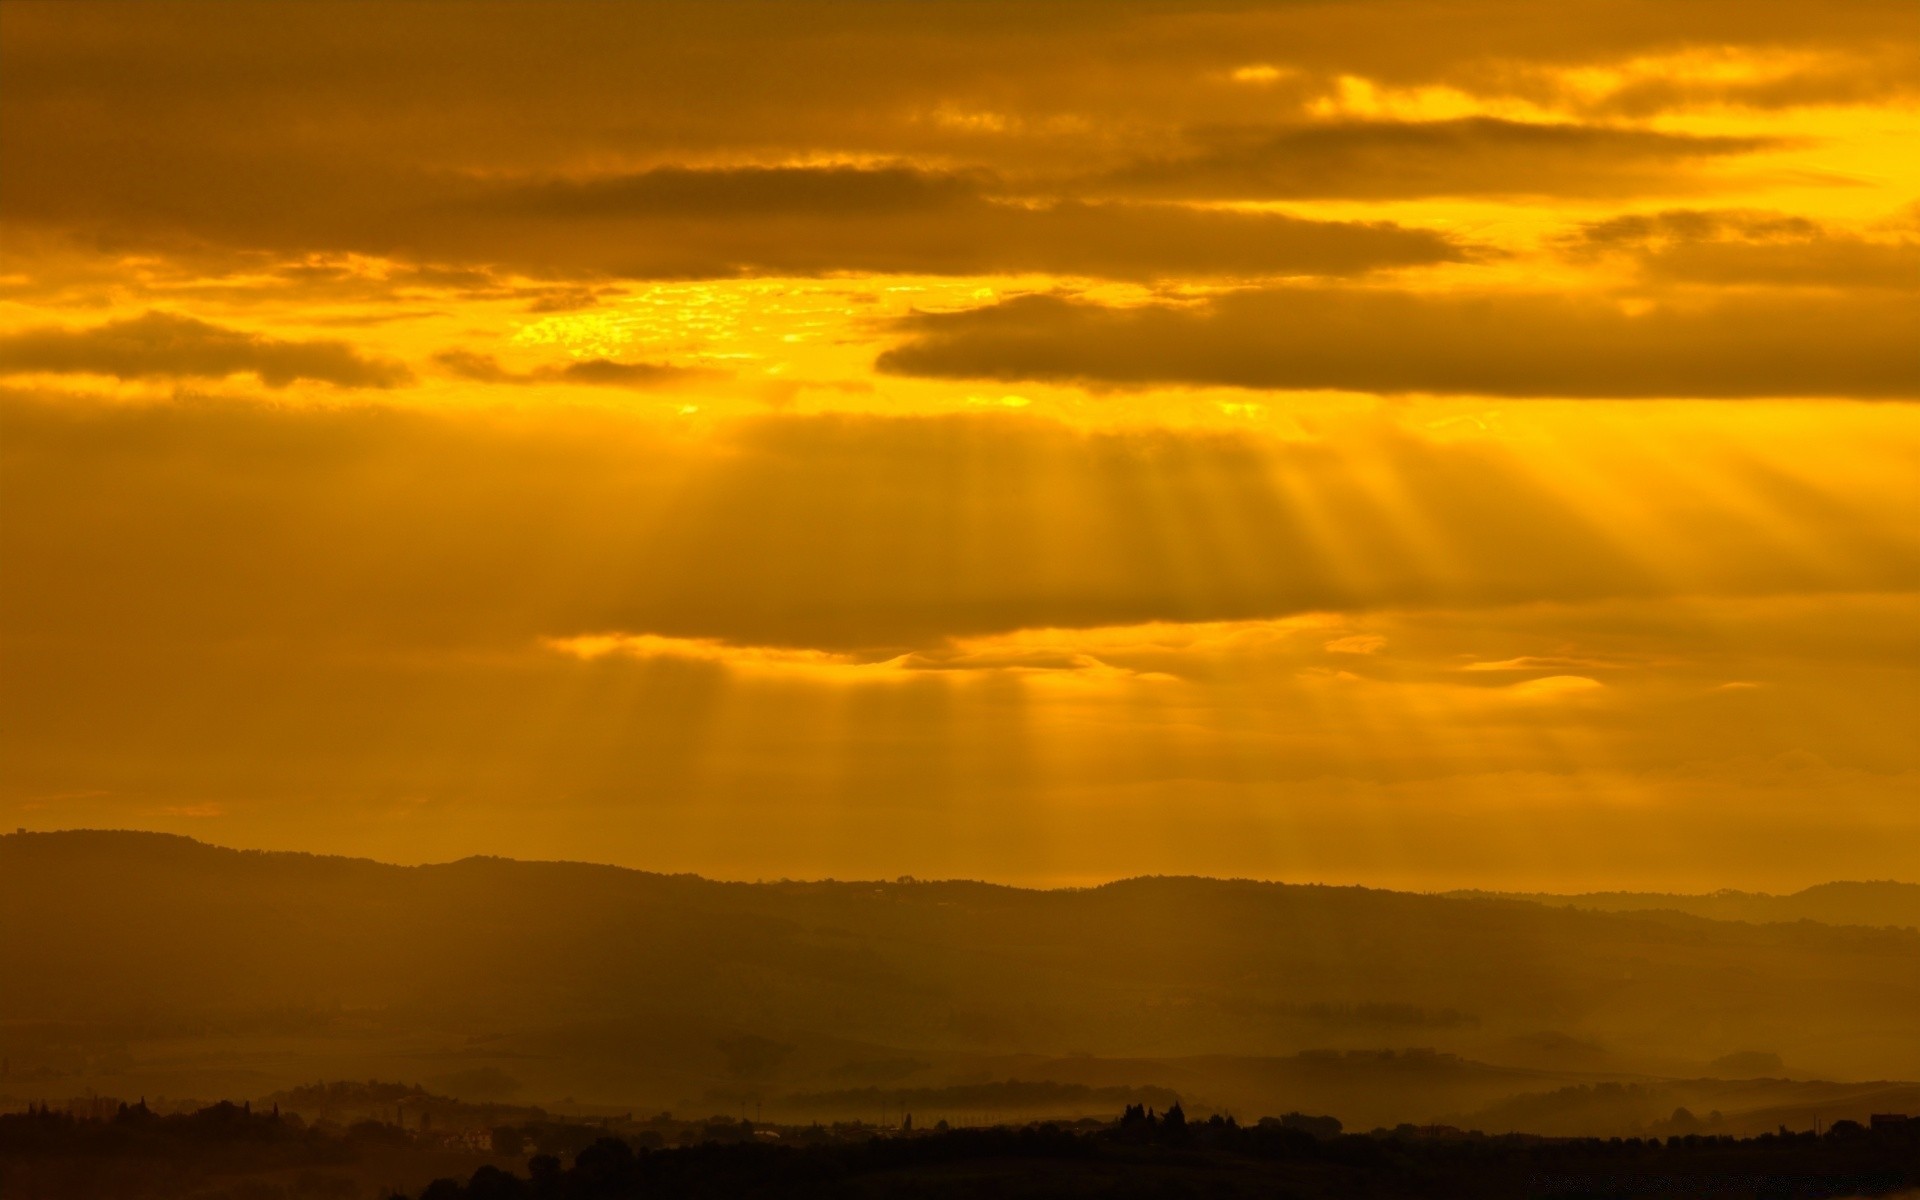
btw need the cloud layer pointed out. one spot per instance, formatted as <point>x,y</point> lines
<point>448,431</point>
<point>162,345</point>
<point>1399,159</point>
<point>1496,344</point>
<point>858,534</point>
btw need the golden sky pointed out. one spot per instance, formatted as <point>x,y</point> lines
<point>1416,444</point>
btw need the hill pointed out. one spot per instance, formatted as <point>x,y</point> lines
<point>140,963</point>
<point>1878,902</point>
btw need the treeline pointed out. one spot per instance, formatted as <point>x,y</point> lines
<point>241,1153</point>
<point>240,1133</point>
<point>347,1101</point>
<point>51,1155</point>
<point>1148,1154</point>
<point>1013,1094</point>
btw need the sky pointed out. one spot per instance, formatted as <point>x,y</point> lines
<point>1418,444</point>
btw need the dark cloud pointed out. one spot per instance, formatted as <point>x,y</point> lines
<point>602,372</point>
<point>1397,159</point>
<point>165,346</point>
<point>1395,342</point>
<point>1733,248</point>
<point>607,373</point>
<point>1694,225</point>
<point>304,128</point>
<point>786,222</point>
<point>738,192</point>
<point>1827,261</point>
<point>680,224</point>
<point>327,531</point>
<point>481,368</point>
<point>517,85</point>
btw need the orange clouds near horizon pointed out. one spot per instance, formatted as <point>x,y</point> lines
<point>1385,442</point>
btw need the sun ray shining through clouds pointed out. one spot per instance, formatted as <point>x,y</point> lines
<point>965,598</point>
<point>1040,445</point>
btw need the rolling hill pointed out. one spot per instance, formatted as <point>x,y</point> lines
<point>142,962</point>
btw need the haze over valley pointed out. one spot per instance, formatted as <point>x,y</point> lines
<point>143,964</point>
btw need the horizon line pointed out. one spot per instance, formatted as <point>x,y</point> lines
<point>909,879</point>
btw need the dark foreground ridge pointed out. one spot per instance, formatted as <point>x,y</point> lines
<point>230,1152</point>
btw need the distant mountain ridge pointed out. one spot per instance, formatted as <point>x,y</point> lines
<point>145,963</point>
<point>1870,902</point>
<point>1880,902</point>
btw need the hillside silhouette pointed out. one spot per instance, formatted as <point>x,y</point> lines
<point>145,963</point>
<point>1875,902</point>
<point>237,1152</point>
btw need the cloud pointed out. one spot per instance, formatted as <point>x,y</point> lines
<point>830,191</point>
<point>680,223</point>
<point>565,145</point>
<point>677,222</point>
<point>1735,248</point>
<point>1538,662</point>
<point>1855,75</point>
<point>396,531</point>
<point>162,345</point>
<point>811,221</point>
<point>1015,641</point>
<point>607,373</point>
<point>1503,344</point>
<point>1694,225</point>
<point>754,659</point>
<point>990,654</point>
<point>1555,687</point>
<point>305,614</point>
<point>1379,159</point>
<point>600,372</point>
